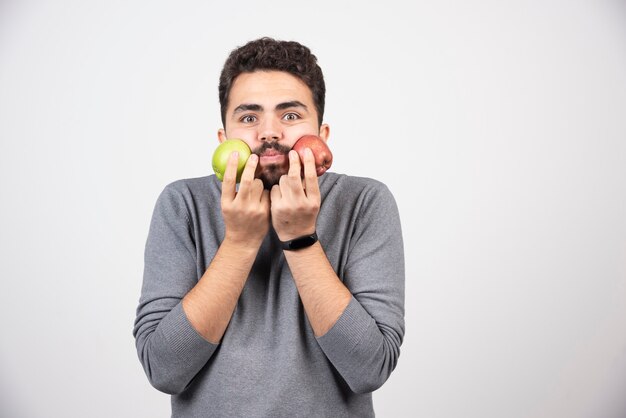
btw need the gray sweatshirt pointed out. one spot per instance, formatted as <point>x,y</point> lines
<point>269,362</point>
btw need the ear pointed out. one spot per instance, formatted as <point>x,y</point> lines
<point>324,132</point>
<point>221,135</point>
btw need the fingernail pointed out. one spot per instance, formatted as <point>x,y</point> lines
<point>254,158</point>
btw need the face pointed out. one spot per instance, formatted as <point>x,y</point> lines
<point>270,111</point>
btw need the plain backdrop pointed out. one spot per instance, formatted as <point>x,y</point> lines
<point>499,126</point>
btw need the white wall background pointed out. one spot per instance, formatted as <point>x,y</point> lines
<point>500,127</point>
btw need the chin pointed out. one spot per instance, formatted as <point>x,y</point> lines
<point>271,175</point>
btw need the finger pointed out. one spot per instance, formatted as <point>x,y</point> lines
<point>247,177</point>
<point>275,193</point>
<point>257,189</point>
<point>265,197</point>
<point>294,165</point>
<point>311,184</point>
<point>230,177</point>
<point>290,187</point>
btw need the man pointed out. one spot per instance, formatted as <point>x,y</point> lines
<point>230,321</point>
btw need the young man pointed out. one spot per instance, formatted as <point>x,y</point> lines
<point>231,321</point>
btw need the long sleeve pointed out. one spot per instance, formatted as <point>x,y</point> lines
<point>169,348</point>
<point>268,338</point>
<point>364,344</point>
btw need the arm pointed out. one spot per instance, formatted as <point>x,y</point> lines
<point>211,303</point>
<point>364,343</point>
<point>359,322</point>
<point>323,295</point>
<point>294,214</point>
<point>181,319</point>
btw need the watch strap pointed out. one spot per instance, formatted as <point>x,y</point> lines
<point>300,242</point>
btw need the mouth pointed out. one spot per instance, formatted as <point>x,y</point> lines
<point>272,157</point>
<point>272,154</point>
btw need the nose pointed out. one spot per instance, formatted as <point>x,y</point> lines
<point>270,130</point>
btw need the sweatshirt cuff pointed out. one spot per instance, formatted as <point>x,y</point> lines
<point>354,326</point>
<point>184,341</point>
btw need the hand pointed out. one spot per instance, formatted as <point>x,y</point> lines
<point>296,201</point>
<point>246,212</point>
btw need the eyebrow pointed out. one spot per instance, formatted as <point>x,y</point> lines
<point>246,107</point>
<point>257,108</point>
<point>293,103</point>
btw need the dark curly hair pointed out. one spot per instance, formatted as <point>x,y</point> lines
<point>271,54</point>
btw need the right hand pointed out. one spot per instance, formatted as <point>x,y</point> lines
<point>246,212</point>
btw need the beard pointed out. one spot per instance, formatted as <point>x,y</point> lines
<point>270,174</point>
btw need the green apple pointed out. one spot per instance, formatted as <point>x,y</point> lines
<point>223,152</point>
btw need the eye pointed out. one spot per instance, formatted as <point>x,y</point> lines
<point>291,116</point>
<point>248,119</point>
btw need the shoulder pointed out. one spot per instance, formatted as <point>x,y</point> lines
<point>183,196</point>
<point>192,186</point>
<point>193,189</point>
<point>355,186</point>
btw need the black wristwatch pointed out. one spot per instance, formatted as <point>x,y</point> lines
<point>300,242</point>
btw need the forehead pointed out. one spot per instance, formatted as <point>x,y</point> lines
<point>268,88</point>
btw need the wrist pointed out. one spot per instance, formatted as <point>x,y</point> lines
<point>244,243</point>
<point>290,235</point>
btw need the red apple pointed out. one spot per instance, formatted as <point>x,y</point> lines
<point>321,152</point>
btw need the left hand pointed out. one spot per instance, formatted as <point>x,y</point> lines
<point>295,202</point>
